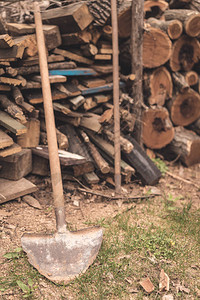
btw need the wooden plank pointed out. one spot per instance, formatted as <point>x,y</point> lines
<point>66,158</point>
<point>103,88</point>
<point>15,148</point>
<point>91,121</point>
<point>77,102</point>
<point>19,29</point>
<point>11,189</point>
<point>10,81</point>
<point>12,53</point>
<point>6,41</point>
<point>17,165</point>
<point>69,89</point>
<point>74,72</point>
<point>73,56</point>
<point>5,140</point>
<point>71,18</point>
<point>11,124</point>
<point>91,178</point>
<point>32,137</point>
<point>5,87</point>
<point>52,78</point>
<point>35,97</point>
<point>94,82</point>
<point>103,57</point>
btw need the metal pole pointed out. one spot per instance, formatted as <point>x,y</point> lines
<point>116,97</point>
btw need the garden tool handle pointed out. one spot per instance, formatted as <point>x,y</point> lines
<point>56,177</point>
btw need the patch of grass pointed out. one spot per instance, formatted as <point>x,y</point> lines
<point>21,277</point>
<point>161,165</point>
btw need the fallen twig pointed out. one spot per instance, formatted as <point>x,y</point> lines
<point>89,191</point>
<point>182,179</point>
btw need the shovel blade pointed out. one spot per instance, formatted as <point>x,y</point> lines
<point>61,257</point>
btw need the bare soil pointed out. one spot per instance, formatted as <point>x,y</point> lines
<point>17,217</point>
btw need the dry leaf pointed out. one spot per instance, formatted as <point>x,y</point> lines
<point>147,285</point>
<point>164,281</point>
<point>32,201</point>
<point>168,297</point>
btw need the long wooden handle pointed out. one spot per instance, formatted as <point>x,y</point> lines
<point>116,97</point>
<point>50,125</point>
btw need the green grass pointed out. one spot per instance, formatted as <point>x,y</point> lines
<point>136,244</point>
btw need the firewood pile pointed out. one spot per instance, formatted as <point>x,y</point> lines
<point>78,38</point>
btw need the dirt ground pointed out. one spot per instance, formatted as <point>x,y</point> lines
<point>17,217</point>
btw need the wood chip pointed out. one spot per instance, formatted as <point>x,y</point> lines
<point>164,281</point>
<point>147,285</point>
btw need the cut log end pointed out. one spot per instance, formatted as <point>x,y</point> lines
<point>157,128</point>
<point>185,108</point>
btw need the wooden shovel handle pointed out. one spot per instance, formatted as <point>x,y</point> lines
<point>50,124</point>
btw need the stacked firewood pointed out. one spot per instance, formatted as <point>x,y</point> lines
<point>79,53</point>
<point>171,86</point>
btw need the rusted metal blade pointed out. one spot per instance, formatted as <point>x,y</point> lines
<point>63,256</point>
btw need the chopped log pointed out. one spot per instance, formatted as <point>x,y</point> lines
<point>32,85</point>
<point>32,201</point>
<point>105,51</point>
<point>5,140</point>
<point>91,121</point>
<point>89,103</point>
<point>27,107</point>
<point>101,164</point>
<point>5,88</point>
<point>100,11</point>
<point>173,28</point>
<point>12,109</point>
<point>94,82</point>
<point>185,107</point>
<point>124,22</point>
<point>195,126</point>
<point>11,71</point>
<point>127,119</point>
<point>125,144</point>
<point>17,95</point>
<point>52,36</point>
<point>11,124</point>
<point>11,189</point>
<point>108,152</point>
<point>2,71</point>
<point>17,165</point>
<point>16,29</point>
<point>154,8</point>
<point>6,41</point>
<point>189,18</point>
<point>185,53</point>
<point>51,66</point>
<point>179,3</point>
<point>71,18</point>
<point>157,85</point>
<point>180,82</point>
<point>157,130</point>
<point>78,147</point>
<point>70,89</point>
<point>76,38</point>
<point>32,137</point>
<point>103,57</point>
<point>66,158</point>
<point>34,60</point>
<point>157,48</point>
<point>15,148</point>
<point>186,145</point>
<point>10,81</point>
<point>107,32</point>
<point>103,69</point>
<point>192,78</point>
<point>194,5</point>
<point>52,78</point>
<point>89,50</point>
<point>77,102</point>
<point>91,178</point>
<point>143,165</point>
<point>22,80</point>
<point>14,52</point>
<point>35,96</point>
<point>73,56</point>
<point>101,98</point>
<point>28,42</point>
<point>40,166</point>
<point>62,140</point>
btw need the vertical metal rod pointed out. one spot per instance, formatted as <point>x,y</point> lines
<point>116,96</point>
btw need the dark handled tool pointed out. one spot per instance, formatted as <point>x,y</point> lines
<point>64,255</point>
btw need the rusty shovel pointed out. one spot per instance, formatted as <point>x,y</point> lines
<point>64,255</point>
